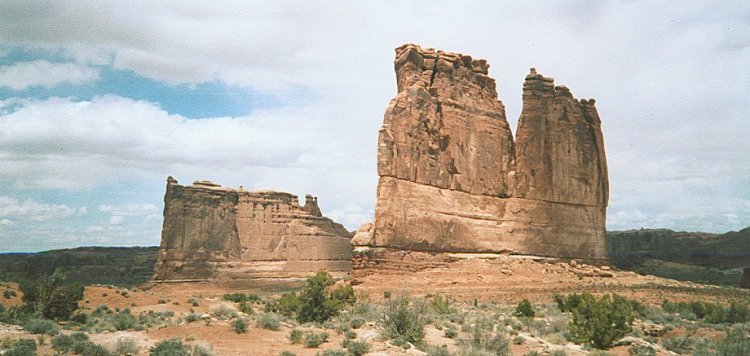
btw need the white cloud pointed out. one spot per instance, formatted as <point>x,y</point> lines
<point>670,79</point>
<point>128,209</point>
<point>23,75</point>
<point>33,210</point>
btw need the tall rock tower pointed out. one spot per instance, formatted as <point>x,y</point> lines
<point>453,180</point>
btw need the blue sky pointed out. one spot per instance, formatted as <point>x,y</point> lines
<point>101,101</point>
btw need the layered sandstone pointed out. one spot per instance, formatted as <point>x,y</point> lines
<point>212,232</point>
<point>453,180</point>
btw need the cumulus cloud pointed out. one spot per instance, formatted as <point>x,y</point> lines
<point>670,79</point>
<point>32,210</point>
<point>23,75</point>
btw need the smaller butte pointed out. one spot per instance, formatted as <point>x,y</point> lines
<point>233,236</point>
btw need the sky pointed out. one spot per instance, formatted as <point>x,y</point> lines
<point>100,101</point>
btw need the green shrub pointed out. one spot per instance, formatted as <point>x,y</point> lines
<point>357,348</point>
<point>192,317</point>
<point>736,342</point>
<point>601,322</point>
<point>287,353</point>
<point>22,347</point>
<point>92,349</point>
<point>194,302</point>
<point>318,306</point>
<point>295,336</point>
<point>241,297</point>
<point>126,347</point>
<point>62,343</point>
<point>450,333</point>
<point>79,318</point>
<point>9,293</point>
<point>247,308</point>
<point>524,309</point>
<point>350,335</point>
<point>124,320</point>
<point>403,318</point>
<point>357,322</point>
<point>641,350</point>
<point>50,297</point>
<point>442,305</point>
<point>314,339</point>
<point>224,311</point>
<point>162,301</point>
<point>269,321</point>
<point>170,347</point>
<point>334,352</point>
<point>41,326</point>
<point>239,325</point>
<point>438,351</point>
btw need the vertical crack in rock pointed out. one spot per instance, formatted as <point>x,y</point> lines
<point>452,179</point>
<point>211,232</point>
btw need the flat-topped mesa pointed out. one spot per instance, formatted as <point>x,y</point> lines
<point>211,232</point>
<point>453,180</point>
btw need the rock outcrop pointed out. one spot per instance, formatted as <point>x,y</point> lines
<point>216,233</point>
<point>453,180</point>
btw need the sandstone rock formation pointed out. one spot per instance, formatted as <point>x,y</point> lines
<point>453,180</point>
<point>211,232</point>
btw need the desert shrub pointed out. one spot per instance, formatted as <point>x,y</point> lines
<point>438,351</point>
<point>124,320</point>
<point>41,326</point>
<point>62,343</point>
<point>224,311</point>
<point>314,339</point>
<point>79,318</point>
<point>239,325</point>
<point>567,304</point>
<point>713,313</point>
<point>92,349</point>
<point>169,347</point>
<point>247,308</point>
<point>450,333</point>
<point>126,347</point>
<point>203,349</point>
<point>641,350</point>
<point>194,302</point>
<point>49,296</point>
<point>442,305</point>
<point>269,321</point>
<point>357,322</point>
<point>287,353</point>
<point>403,318</point>
<point>317,305</point>
<point>736,342</point>
<point>350,335</point>
<point>192,317</point>
<point>162,301</point>
<point>600,322</point>
<point>738,313</point>
<point>295,336</point>
<point>680,345</point>
<point>22,347</point>
<point>334,352</point>
<point>357,348</point>
<point>524,309</point>
<point>9,293</point>
<point>482,338</point>
<point>241,297</point>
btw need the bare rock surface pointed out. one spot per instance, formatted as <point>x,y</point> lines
<point>211,232</point>
<point>452,179</point>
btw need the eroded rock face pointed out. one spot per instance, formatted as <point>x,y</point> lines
<point>211,232</point>
<point>453,180</point>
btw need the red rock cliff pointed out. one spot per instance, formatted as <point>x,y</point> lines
<point>453,180</point>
